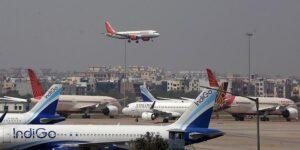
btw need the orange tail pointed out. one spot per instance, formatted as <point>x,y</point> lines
<point>212,79</point>
<point>36,86</point>
<point>109,28</point>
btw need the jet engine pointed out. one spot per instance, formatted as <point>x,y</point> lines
<point>290,113</point>
<point>148,116</point>
<point>133,37</point>
<point>110,110</point>
<point>145,38</point>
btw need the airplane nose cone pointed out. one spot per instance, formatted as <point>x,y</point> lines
<point>125,111</point>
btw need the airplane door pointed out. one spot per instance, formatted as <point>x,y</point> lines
<point>6,135</point>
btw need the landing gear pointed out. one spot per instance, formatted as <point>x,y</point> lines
<point>86,116</point>
<point>165,120</point>
<point>239,117</point>
<point>136,119</point>
<point>129,41</point>
<point>137,41</point>
<point>264,118</point>
<point>288,119</point>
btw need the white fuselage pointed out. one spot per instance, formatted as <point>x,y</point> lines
<point>75,103</point>
<point>241,105</point>
<point>175,108</point>
<point>137,34</point>
<point>17,118</point>
<point>20,136</point>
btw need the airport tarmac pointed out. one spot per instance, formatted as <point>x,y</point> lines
<point>240,135</point>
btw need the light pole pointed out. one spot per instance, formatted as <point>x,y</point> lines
<point>249,61</point>
<point>256,100</point>
<point>125,72</point>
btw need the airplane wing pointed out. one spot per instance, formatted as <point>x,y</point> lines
<point>162,98</point>
<point>189,99</point>
<point>13,99</point>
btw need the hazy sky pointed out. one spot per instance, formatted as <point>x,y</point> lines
<point>195,34</point>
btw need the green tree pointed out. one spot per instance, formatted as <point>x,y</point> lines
<point>149,141</point>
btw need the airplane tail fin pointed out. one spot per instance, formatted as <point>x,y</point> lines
<point>199,113</point>
<point>146,95</point>
<point>212,79</point>
<point>109,28</point>
<point>37,90</point>
<point>48,103</point>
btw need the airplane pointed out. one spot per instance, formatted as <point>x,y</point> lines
<point>239,106</point>
<point>68,104</point>
<point>144,35</point>
<point>192,127</point>
<point>166,109</point>
<point>42,113</point>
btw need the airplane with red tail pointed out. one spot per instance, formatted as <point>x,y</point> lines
<point>144,35</point>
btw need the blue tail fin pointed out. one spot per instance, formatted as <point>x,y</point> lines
<point>199,113</point>
<point>146,95</point>
<point>48,103</point>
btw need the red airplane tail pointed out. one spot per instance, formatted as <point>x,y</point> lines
<point>109,28</point>
<point>36,86</point>
<point>212,79</point>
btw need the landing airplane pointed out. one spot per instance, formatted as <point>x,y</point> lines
<point>42,113</point>
<point>144,35</point>
<point>68,104</point>
<point>166,109</point>
<point>191,127</point>
<point>239,106</point>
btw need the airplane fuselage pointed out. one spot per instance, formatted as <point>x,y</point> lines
<point>28,136</point>
<point>175,108</point>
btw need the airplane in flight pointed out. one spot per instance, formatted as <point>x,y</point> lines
<point>144,35</point>
<point>192,127</point>
<point>42,113</point>
<point>239,106</point>
<point>166,109</point>
<point>68,104</point>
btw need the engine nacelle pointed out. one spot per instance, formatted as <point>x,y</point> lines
<point>290,113</point>
<point>145,38</point>
<point>133,37</point>
<point>110,110</point>
<point>148,116</point>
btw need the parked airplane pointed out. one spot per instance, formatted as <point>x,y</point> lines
<point>42,113</point>
<point>239,106</point>
<point>144,35</point>
<point>73,103</point>
<point>166,109</point>
<point>191,127</point>
<point>77,103</point>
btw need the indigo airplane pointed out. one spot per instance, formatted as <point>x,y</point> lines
<point>152,108</point>
<point>191,127</point>
<point>42,113</point>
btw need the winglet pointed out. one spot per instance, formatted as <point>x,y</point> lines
<point>212,79</point>
<point>3,116</point>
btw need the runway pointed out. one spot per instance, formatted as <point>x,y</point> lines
<point>275,134</point>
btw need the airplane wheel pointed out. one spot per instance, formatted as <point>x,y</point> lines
<point>136,119</point>
<point>111,116</point>
<point>86,116</point>
<point>137,41</point>
<point>129,41</point>
<point>288,119</point>
<point>165,120</point>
